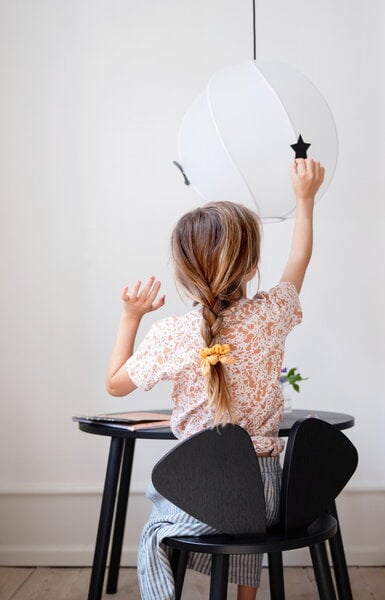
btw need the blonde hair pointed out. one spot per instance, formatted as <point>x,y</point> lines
<point>214,248</point>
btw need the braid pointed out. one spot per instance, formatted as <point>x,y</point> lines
<point>217,386</point>
<point>214,248</point>
<point>211,325</point>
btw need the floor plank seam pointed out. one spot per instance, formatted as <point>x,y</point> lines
<point>23,583</point>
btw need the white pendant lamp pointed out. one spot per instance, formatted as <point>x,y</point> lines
<point>235,141</point>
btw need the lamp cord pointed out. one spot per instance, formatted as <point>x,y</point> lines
<point>254,36</point>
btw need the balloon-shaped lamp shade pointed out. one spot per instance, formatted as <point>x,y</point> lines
<point>235,139</point>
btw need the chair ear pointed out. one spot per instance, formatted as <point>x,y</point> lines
<point>319,461</point>
<point>214,476</point>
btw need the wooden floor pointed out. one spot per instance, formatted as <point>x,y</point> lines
<point>40,583</point>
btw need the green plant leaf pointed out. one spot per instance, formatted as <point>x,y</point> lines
<point>292,378</point>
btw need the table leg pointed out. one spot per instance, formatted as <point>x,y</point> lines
<point>120,515</point>
<point>339,561</point>
<point>105,519</point>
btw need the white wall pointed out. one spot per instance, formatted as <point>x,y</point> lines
<point>91,98</point>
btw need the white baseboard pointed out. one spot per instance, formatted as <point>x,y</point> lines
<point>57,526</point>
<point>64,556</point>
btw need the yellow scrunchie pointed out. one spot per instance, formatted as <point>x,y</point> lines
<point>213,355</point>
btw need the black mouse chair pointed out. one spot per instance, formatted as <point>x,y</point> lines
<point>214,476</point>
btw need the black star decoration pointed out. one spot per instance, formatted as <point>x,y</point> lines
<point>300,148</point>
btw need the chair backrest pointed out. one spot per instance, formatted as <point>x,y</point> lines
<point>214,476</point>
<point>319,461</point>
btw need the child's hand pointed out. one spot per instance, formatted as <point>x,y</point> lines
<point>307,176</point>
<point>139,302</point>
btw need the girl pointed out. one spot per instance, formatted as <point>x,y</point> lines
<point>224,358</point>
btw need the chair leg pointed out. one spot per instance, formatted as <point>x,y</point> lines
<point>178,565</point>
<point>277,586</point>
<point>322,572</point>
<point>339,561</point>
<point>219,576</point>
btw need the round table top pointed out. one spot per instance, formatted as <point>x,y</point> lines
<point>339,420</point>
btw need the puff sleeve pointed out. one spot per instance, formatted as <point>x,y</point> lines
<point>151,362</point>
<point>283,304</point>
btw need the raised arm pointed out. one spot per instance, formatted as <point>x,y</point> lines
<point>307,177</point>
<point>135,305</point>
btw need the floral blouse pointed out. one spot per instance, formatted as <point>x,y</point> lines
<point>256,330</point>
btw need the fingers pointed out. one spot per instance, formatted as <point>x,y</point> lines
<point>145,299</point>
<point>135,290</point>
<point>303,165</point>
<point>319,171</point>
<point>134,294</point>
<point>147,289</point>
<point>308,167</point>
<point>137,293</point>
<point>300,166</point>
<point>152,294</point>
<point>151,290</point>
<point>124,294</point>
<point>159,303</point>
<point>307,177</point>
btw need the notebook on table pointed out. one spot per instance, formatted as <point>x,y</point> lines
<point>133,420</point>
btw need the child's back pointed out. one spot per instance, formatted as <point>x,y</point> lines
<point>255,329</point>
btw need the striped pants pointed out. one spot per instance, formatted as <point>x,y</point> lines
<point>154,571</point>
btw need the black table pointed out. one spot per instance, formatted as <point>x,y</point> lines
<point>118,475</point>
